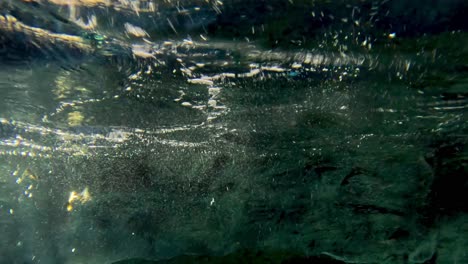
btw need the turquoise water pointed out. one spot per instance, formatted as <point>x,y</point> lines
<point>233,131</point>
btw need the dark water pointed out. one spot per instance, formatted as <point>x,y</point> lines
<point>233,131</point>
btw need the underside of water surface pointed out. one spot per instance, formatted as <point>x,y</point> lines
<point>233,131</point>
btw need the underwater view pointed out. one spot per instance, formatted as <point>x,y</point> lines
<point>233,131</point>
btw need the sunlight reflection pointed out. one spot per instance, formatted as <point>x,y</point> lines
<point>78,198</point>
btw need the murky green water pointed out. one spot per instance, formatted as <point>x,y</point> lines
<point>233,131</point>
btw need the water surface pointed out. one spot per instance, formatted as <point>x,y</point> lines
<point>200,129</point>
